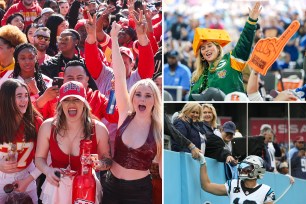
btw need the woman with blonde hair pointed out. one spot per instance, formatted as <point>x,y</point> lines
<point>210,120</point>
<point>139,136</point>
<point>189,124</point>
<point>213,69</point>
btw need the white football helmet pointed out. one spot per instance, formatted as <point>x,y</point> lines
<point>252,167</point>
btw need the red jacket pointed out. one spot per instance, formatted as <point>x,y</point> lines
<point>97,102</point>
<point>29,14</point>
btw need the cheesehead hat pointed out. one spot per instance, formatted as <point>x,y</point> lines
<point>214,35</point>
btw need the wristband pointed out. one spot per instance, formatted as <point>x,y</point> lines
<point>192,147</point>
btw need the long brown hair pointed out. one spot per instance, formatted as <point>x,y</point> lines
<point>87,119</point>
<point>10,114</point>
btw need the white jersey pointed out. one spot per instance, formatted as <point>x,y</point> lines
<point>261,195</point>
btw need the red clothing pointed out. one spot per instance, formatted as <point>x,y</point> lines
<point>29,14</point>
<point>97,102</point>
<point>129,158</point>
<point>95,65</point>
<point>153,42</point>
<point>25,150</point>
<point>158,30</point>
<point>61,160</point>
<point>157,18</point>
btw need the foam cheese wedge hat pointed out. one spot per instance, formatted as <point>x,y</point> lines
<point>215,35</point>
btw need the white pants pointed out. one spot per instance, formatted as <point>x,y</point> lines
<point>8,178</point>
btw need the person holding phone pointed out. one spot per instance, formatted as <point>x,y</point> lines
<point>76,71</point>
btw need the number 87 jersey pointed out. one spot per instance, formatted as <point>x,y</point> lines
<point>19,148</point>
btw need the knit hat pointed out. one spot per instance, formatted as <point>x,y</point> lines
<point>72,89</point>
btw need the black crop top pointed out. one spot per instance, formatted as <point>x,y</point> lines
<point>140,158</point>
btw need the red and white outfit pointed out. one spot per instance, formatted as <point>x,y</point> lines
<point>63,194</point>
<point>26,153</point>
<point>28,14</point>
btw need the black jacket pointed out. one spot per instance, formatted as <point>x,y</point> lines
<point>180,140</point>
<point>56,64</point>
<point>215,148</point>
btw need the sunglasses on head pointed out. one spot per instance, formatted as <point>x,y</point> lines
<point>41,37</point>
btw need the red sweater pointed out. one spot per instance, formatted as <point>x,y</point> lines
<point>29,14</point>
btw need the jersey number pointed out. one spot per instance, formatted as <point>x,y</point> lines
<point>303,164</point>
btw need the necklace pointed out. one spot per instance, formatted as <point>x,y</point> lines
<point>67,171</point>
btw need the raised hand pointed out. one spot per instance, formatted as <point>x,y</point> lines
<point>104,16</point>
<point>254,13</point>
<point>267,50</point>
<point>130,5</point>
<point>141,24</point>
<point>115,29</point>
<point>91,24</point>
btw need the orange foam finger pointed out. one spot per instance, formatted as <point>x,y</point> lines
<point>267,50</point>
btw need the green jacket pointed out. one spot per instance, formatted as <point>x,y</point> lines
<point>227,76</point>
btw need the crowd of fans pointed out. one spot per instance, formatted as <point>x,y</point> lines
<point>195,129</point>
<point>181,64</point>
<point>101,48</point>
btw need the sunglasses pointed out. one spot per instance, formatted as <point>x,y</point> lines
<point>63,39</point>
<point>244,168</point>
<point>41,37</point>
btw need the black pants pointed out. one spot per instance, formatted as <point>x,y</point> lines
<point>119,191</point>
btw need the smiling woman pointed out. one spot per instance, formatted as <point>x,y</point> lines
<point>213,69</point>
<point>19,124</point>
<point>62,136</point>
<point>26,70</point>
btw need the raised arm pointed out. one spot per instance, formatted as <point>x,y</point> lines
<point>146,57</point>
<point>242,50</point>
<point>103,17</point>
<point>122,95</point>
<point>216,189</point>
<point>150,31</point>
<point>93,58</point>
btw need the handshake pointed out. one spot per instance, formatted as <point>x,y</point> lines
<point>201,159</point>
